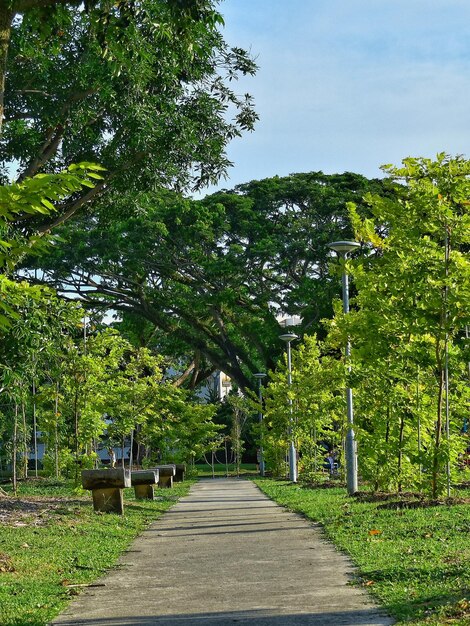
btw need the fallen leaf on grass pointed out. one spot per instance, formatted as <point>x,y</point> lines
<point>368,583</point>
<point>460,610</point>
<point>6,564</point>
<point>375,532</point>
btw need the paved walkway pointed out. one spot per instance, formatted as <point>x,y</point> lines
<point>226,554</point>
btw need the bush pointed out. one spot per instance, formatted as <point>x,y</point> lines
<point>65,465</point>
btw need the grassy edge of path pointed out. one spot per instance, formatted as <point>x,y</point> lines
<point>49,557</point>
<point>415,561</point>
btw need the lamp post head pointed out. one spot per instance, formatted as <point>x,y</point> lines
<point>342,248</point>
<point>288,337</point>
<point>260,375</point>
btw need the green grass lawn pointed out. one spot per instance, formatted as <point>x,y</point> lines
<point>52,543</point>
<point>205,470</point>
<point>416,561</point>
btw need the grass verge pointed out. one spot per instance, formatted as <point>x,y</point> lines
<point>414,558</point>
<point>221,470</point>
<point>52,544</point>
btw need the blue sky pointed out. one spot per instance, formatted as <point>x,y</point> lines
<point>348,85</point>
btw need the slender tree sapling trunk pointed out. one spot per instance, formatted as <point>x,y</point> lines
<point>438,430</point>
<point>400,451</point>
<point>6,17</point>
<point>56,431</point>
<point>15,450</point>
<point>25,441</point>
<point>77,419</point>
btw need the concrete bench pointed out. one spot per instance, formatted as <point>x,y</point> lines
<point>180,472</point>
<point>143,482</point>
<point>166,474</point>
<point>106,487</point>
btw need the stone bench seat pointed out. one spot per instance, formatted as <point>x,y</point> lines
<point>180,472</point>
<point>106,486</point>
<point>143,482</point>
<point>166,475</point>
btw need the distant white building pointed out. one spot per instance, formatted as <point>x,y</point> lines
<point>216,387</point>
<point>219,384</point>
<point>288,322</point>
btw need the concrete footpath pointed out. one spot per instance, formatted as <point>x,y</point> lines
<point>226,554</point>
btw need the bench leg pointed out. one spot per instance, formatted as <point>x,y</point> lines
<point>109,500</point>
<point>143,492</point>
<point>165,482</point>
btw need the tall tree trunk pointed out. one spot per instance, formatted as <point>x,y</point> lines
<point>381,462</point>
<point>131,452</point>
<point>437,440</point>
<point>56,434</point>
<point>35,430</point>
<point>315,461</point>
<point>15,450</point>
<point>418,400</point>
<point>6,16</point>
<point>139,446</point>
<point>446,355</point>
<point>400,451</point>
<point>25,441</point>
<point>77,417</point>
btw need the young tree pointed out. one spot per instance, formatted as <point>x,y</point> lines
<point>180,427</point>
<point>133,392</point>
<point>316,421</point>
<point>29,342</point>
<point>412,312</point>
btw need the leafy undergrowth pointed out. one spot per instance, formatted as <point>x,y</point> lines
<point>415,559</point>
<point>52,545</point>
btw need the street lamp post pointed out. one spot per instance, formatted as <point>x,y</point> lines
<point>260,376</point>
<point>288,337</point>
<point>342,249</point>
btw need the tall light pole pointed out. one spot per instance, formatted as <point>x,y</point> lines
<point>260,376</point>
<point>288,337</point>
<point>342,249</point>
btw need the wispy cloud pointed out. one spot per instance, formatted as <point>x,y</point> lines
<point>351,84</point>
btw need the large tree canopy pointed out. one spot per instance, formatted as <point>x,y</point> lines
<point>142,88</point>
<point>212,275</point>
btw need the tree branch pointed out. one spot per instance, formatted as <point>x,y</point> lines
<point>48,149</point>
<point>87,197</point>
<point>185,375</point>
<point>37,91</point>
<point>54,135</point>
